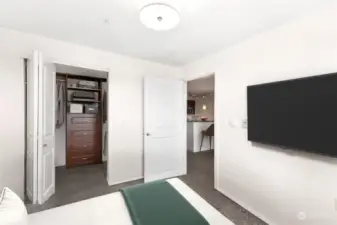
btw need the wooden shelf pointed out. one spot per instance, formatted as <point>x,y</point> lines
<point>83,89</point>
<point>83,101</point>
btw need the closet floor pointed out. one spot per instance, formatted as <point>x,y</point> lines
<point>77,184</point>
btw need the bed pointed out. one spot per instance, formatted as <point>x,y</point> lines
<point>111,210</point>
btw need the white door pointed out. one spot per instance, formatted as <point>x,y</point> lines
<point>164,128</point>
<point>46,153</point>
<point>32,126</point>
<point>40,170</point>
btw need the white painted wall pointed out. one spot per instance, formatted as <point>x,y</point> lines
<point>12,134</point>
<point>125,100</point>
<point>273,183</point>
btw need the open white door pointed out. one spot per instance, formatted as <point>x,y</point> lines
<point>40,169</point>
<point>46,153</point>
<point>164,128</point>
<point>32,126</point>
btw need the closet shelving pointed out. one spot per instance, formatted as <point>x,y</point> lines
<point>83,89</point>
<point>83,130</point>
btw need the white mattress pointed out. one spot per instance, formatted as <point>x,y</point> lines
<point>111,210</point>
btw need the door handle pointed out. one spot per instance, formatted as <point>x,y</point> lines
<point>148,134</point>
<point>45,145</point>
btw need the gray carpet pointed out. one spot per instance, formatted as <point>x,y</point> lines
<point>200,177</point>
<point>86,182</point>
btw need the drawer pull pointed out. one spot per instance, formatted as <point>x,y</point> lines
<point>84,145</point>
<point>85,133</point>
<point>84,158</point>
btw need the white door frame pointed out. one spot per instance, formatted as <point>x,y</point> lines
<point>40,135</point>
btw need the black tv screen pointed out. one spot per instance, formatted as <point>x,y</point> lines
<point>298,114</point>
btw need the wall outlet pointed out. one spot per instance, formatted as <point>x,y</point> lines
<point>244,123</point>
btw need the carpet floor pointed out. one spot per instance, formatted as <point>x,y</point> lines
<point>73,185</point>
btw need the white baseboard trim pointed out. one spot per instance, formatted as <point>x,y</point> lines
<point>124,181</point>
<point>165,175</point>
<point>250,209</point>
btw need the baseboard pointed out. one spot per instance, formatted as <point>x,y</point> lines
<point>250,209</point>
<point>124,181</point>
<point>167,175</point>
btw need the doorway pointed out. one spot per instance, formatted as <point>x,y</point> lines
<point>200,131</point>
<point>80,133</point>
<point>71,107</point>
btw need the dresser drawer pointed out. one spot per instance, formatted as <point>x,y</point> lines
<point>81,133</point>
<point>82,146</point>
<point>83,160</point>
<point>75,120</point>
<point>84,140</point>
<point>85,136</point>
<point>83,122</point>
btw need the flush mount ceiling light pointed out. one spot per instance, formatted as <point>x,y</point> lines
<point>159,16</point>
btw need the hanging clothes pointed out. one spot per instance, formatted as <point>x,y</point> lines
<point>105,140</point>
<point>105,107</point>
<point>60,103</point>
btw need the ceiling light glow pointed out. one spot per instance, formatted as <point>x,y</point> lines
<point>159,17</point>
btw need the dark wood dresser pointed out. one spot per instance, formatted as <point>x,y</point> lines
<point>83,139</point>
<point>84,119</point>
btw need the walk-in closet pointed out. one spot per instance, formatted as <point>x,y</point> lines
<point>80,132</point>
<point>80,116</point>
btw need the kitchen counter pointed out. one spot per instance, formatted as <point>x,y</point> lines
<point>194,129</point>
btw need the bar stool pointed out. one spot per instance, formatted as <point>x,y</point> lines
<point>209,133</point>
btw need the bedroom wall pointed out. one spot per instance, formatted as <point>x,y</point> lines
<point>280,186</point>
<point>12,111</point>
<point>125,102</point>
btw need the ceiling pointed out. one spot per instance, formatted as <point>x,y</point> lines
<point>204,85</point>
<point>113,25</point>
<point>60,68</point>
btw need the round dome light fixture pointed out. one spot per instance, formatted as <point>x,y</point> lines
<point>159,16</point>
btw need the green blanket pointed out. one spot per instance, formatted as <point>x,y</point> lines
<point>158,203</point>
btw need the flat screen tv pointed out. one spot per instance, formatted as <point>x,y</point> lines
<point>299,114</point>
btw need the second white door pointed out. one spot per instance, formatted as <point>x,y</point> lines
<point>164,128</point>
<point>46,153</point>
<point>40,168</point>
